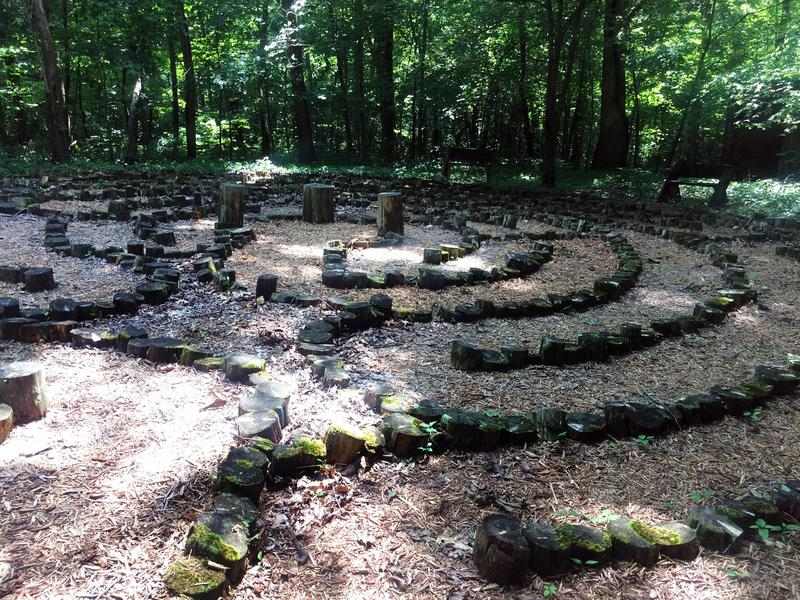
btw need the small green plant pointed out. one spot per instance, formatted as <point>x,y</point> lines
<point>644,440</point>
<point>765,530</point>
<point>700,496</point>
<point>737,574</point>
<point>429,430</point>
<point>755,415</point>
<point>550,590</point>
<point>605,516</point>
<point>585,563</point>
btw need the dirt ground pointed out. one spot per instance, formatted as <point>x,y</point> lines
<point>96,499</point>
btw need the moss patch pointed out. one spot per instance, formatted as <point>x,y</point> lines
<point>205,542</point>
<point>656,535</point>
<point>192,577</point>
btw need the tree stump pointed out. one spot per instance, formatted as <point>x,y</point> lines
<point>319,203</point>
<point>343,443</point>
<point>6,421</point>
<point>266,285</point>
<point>22,388</point>
<point>39,279</point>
<point>232,202</point>
<point>501,551</point>
<point>390,213</point>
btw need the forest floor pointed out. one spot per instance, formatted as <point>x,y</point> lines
<point>97,499</point>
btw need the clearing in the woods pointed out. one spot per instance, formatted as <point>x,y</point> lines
<point>552,358</point>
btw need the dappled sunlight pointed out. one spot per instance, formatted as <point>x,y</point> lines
<point>667,299</point>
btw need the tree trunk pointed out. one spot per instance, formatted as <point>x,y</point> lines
<point>384,73</point>
<point>550,125</point>
<point>173,81</point>
<point>343,77</point>
<point>189,80</point>
<point>301,109</point>
<point>527,130</point>
<point>57,118</point>
<point>613,135</point>
<point>133,122</point>
<point>358,67</point>
<point>694,88</point>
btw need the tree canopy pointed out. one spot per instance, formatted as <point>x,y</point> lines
<point>607,83</point>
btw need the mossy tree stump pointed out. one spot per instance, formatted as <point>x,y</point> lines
<point>549,554</point>
<point>230,210</point>
<point>630,545</point>
<point>390,213</point>
<point>22,388</point>
<point>319,203</point>
<point>501,551</point>
<point>191,577</point>
<point>343,444</point>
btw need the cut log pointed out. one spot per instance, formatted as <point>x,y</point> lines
<point>232,202</point>
<point>262,424</point>
<point>404,434</point>
<point>238,367</point>
<point>318,203</point>
<point>390,213</point>
<point>6,421</point>
<point>39,280</point>
<point>190,577</point>
<point>9,308</point>
<point>22,388</point>
<point>549,554</point>
<point>343,443</point>
<point>266,285</point>
<point>501,551</point>
<point>629,545</point>
<point>243,473</point>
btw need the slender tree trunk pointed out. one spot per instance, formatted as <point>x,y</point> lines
<point>67,56</point>
<point>133,121</point>
<point>301,109</point>
<point>264,122</point>
<point>384,70</point>
<point>694,87</point>
<point>342,76</point>
<point>57,118</point>
<point>550,142</point>
<point>189,80</point>
<point>578,122</point>
<point>358,67</point>
<point>173,82</point>
<point>783,23</point>
<point>613,134</point>
<point>527,129</point>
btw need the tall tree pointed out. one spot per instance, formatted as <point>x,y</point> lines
<point>613,134</point>
<point>358,68</point>
<point>58,135</point>
<point>189,79</point>
<point>301,108</point>
<point>384,74</point>
<point>558,22</point>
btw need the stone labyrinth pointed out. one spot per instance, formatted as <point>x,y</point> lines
<point>367,388</point>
